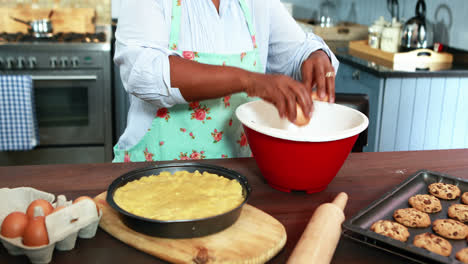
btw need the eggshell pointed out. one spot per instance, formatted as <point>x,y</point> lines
<point>35,234</point>
<point>47,208</point>
<point>14,225</point>
<point>87,198</point>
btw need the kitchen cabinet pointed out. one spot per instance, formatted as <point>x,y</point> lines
<point>352,80</point>
<point>412,111</point>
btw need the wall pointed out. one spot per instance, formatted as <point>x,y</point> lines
<point>448,17</point>
<point>103,7</point>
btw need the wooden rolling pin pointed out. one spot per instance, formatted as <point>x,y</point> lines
<point>318,242</point>
<point>301,119</point>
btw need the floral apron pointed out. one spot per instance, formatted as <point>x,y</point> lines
<point>203,129</point>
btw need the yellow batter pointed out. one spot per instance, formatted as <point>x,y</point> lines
<point>179,196</point>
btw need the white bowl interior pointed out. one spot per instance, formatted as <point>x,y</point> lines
<point>329,122</point>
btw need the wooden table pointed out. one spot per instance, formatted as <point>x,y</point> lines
<point>364,176</point>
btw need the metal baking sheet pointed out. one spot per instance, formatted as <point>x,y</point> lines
<point>358,227</point>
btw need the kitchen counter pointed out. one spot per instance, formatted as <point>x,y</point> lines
<point>364,176</point>
<point>457,69</point>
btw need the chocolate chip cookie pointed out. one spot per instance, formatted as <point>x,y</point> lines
<point>450,228</point>
<point>458,212</point>
<point>433,243</point>
<point>411,217</point>
<point>391,229</point>
<point>462,255</point>
<point>464,198</point>
<point>425,203</point>
<point>444,190</point>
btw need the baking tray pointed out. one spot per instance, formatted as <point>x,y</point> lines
<point>358,227</point>
<point>179,228</point>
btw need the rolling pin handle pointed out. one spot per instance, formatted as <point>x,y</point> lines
<point>340,200</point>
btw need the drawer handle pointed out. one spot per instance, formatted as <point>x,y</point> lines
<point>356,75</point>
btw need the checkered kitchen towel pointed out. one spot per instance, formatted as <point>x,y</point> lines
<point>18,124</point>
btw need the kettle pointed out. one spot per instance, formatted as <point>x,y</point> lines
<point>416,34</point>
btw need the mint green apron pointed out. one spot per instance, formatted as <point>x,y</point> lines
<point>203,129</point>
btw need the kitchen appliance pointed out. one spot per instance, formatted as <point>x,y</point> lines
<point>71,75</point>
<point>305,158</point>
<point>41,28</point>
<point>416,33</point>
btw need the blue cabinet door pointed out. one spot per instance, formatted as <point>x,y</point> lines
<point>355,81</point>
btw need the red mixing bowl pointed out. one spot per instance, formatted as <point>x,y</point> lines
<point>301,158</point>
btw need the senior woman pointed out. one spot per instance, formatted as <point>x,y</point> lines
<point>188,64</point>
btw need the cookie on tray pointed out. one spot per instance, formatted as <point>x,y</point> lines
<point>458,212</point>
<point>462,255</point>
<point>464,198</point>
<point>450,228</point>
<point>391,229</point>
<point>433,243</point>
<point>425,203</point>
<point>411,217</point>
<point>444,190</point>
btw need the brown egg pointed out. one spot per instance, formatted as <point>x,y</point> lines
<point>14,224</point>
<point>35,234</point>
<point>86,198</point>
<point>47,208</point>
<point>301,119</point>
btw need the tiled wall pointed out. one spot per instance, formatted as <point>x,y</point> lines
<point>103,7</point>
<point>448,17</point>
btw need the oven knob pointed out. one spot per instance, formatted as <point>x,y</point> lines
<point>53,62</point>
<point>75,62</point>
<point>63,62</point>
<point>10,61</point>
<point>32,62</point>
<point>21,61</point>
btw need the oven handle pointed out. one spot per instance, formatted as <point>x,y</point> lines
<point>64,77</point>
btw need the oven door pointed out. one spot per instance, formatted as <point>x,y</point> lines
<point>69,107</point>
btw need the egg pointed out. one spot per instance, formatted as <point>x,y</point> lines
<point>86,198</point>
<point>14,225</point>
<point>301,119</point>
<point>35,234</point>
<point>47,208</point>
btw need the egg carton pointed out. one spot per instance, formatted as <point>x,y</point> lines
<point>63,227</point>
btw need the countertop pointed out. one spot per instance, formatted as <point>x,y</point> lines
<point>364,176</point>
<point>457,69</point>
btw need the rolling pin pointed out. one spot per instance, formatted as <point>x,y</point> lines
<point>319,239</point>
<point>301,119</point>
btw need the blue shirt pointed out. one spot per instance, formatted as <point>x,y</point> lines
<point>142,51</point>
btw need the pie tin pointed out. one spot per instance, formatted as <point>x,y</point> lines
<point>358,227</point>
<point>179,228</point>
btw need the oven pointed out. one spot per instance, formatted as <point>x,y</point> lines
<point>72,98</point>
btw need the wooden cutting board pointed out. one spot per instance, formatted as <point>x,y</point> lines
<point>424,57</point>
<point>254,238</point>
<point>78,20</point>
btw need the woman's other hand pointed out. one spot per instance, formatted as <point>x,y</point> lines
<point>282,91</point>
<point>318,71</point>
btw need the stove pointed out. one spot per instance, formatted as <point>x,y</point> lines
<point>60,37</point>
<point>72,76</point>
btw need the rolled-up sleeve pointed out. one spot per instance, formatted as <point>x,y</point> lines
<point>141,52</point>
<point>289,46</point>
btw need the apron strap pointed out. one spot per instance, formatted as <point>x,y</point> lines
<point>175,22</point>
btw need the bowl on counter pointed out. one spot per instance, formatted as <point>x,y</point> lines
<point>187,228</point>
<point>307,158</point>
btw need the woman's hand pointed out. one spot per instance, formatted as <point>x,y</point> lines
<point>317,70</point>
<point>282,91</point>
